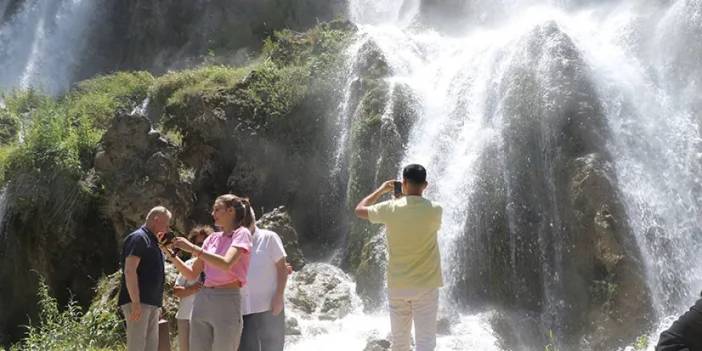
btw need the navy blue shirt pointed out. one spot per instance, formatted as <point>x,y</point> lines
<point>150,272</point>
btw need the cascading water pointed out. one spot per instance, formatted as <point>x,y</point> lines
<point>634,69</point>
<point>41,44</point>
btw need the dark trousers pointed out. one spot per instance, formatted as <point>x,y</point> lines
<point>685,334</point>
<point>263,332</point>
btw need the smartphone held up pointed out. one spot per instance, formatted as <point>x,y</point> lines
<point>397,189</point>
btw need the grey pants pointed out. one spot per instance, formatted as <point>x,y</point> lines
<point>216,322</point>
<point>183,334</point>
<point>263,332</point>
<point>142,335</point>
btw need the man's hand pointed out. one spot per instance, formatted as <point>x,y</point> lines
<point>387,187</point>
<point>135,315</point>
<point>277,304</point>
<point>362,207</point>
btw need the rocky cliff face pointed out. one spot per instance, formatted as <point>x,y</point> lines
<point>547,207</point>
<point>382,116</point>
<point>94,162</point>
<point>164,35</point>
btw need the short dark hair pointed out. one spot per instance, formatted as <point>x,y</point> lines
<point>415,174</point>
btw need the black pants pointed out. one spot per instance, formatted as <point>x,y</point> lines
<point>263,332</point>
<point>685,334</point>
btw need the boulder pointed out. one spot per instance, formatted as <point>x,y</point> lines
<point>321,291</point>
<point>376,344</point>
<point>140,174</point>
<point>280,222</point>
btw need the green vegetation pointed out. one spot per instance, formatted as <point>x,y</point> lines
<point>551,342</point>
<point>291,67</point>
<point>61,135</point>
<point>641,343</point>
<point>71,329</point>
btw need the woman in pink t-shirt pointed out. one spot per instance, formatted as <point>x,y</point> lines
<point>216,321</point>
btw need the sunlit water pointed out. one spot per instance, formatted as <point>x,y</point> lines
<point>41,44</point>
<point>655,142</point>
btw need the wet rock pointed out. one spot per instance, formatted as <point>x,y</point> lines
<point>383,116</point>
<point>280,222</point>
<point>447,318</point>
<point>370,275</point>
<point>292,327</point>
<point>376,344</point>
<point>548,227</point>
<point>321,291</point>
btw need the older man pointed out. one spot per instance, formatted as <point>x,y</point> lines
<point>141,288</point>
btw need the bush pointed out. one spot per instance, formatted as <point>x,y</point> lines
<point>175,88</point>
<point>69,329</point>
<point>259,94</point>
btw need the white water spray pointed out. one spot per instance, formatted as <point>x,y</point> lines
<point>654,136</point>
<point>41,45</point>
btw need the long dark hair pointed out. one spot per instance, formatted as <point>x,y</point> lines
<point>241,206</point>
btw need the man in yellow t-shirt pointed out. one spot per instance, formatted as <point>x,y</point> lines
<point>414,265</point>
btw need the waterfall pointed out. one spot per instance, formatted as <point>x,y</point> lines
<point>42,43</point>
<point>519,106</point>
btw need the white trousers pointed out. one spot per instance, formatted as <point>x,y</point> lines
<point>413,305</point>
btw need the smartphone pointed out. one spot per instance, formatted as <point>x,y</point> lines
<point>397,188</point>
<point>167,238</point>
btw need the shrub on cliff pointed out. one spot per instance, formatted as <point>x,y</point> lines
<point>60,135</point>
<point>259,94</point>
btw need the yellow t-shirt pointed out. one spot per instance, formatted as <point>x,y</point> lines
<point>412,224</point>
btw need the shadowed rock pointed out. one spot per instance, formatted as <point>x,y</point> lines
<point>280,222</point>
<point>141,171</point>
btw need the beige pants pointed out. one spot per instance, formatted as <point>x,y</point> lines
<point>183,334</point>
<point>413,305</point>
<point>142,335</point>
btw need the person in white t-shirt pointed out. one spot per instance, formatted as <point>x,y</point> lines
<point>185,289</point>
<point>262,298</point>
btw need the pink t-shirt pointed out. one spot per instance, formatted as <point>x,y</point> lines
<point>220,243</point>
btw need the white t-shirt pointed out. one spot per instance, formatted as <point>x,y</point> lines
<point>262,278</point>
<point>185,308</point>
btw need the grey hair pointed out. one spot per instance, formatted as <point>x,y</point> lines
<point>157,211</point>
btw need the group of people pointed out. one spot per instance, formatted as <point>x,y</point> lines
<point>231,289</point>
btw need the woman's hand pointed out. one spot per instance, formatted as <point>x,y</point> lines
<point>195,288</point>
<point>185,245</point>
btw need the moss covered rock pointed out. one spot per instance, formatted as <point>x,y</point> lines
<point>280,222</point>
<point>384,114</point>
